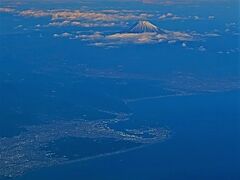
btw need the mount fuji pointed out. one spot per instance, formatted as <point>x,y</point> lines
<point>145,27</point>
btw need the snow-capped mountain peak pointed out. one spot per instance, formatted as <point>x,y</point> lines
<point>144,26</point>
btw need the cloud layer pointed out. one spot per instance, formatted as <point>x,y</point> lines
<point>115,39</point>
<point>92,20</point>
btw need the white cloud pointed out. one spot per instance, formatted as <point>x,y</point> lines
<point>202,48</point>
<point>196,17</point>
<point>101,39</point>
<point>90,37</point>
<point>103,15</point>
<point>184,45</point>
<point>167,15</point>
<point>6,10</point>
<point>84,24</point>
<point>85,18</point>
<point>65,34</point>
<point>133,37</point>
<point>171,16</point>
<point>113,18</point>
<point>62,23</point>
<point>211,17</point>
<point>35,13</point>
<point>229,51</point>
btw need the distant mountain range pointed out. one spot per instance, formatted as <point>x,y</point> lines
<point>145,27</point>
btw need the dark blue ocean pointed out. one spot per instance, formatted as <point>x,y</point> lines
<point>204,144</point>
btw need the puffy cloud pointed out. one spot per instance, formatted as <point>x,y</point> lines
<point>211,17</point>
<point>34,13</point>
<point>6,10</point>
<point>230,51</point>
<point>106,40</point>
<point>61,23</point>
<point>66,34</point>
<point>196,17</point>
<point>138,38</point>
<point>95,24</point>
<point>202,48</point>
<point>171,16</point>
<point>211,35</point>
<point>233,28</point>
<point>83,24</point>
<point>90,37</point>
<point>184,45</point>
<point>87,18</point>
<point>98,16</point>
<point>103,15</point>
<point>110,18</point>
<point>181,36</point>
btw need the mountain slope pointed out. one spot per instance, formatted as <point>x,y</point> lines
<point>145,26</point>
